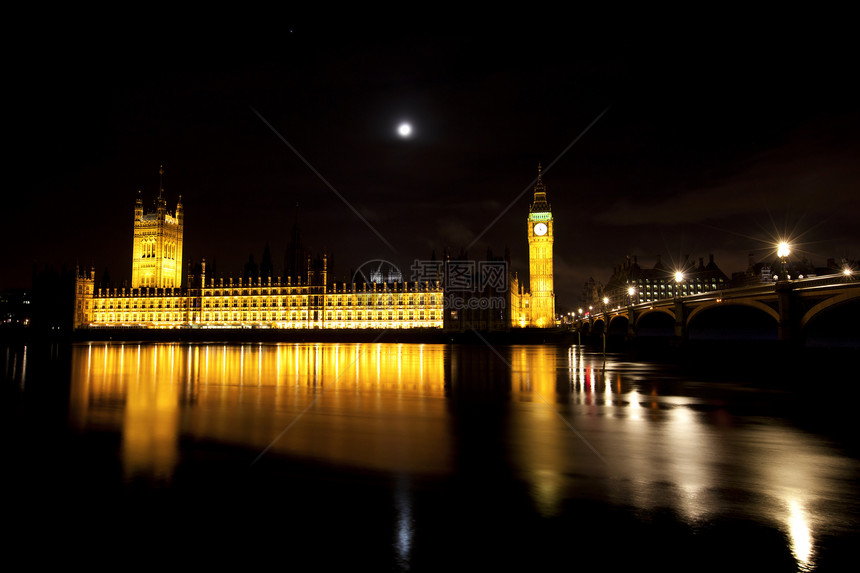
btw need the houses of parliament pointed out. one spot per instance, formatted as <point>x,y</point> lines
<point>306,298</point>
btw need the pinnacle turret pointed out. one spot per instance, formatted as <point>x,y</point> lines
<point>539,204</point>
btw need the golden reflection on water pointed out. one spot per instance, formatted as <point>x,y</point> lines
<point>377,406</point>
<point>663,452</point>
<point>387,407</point>
<point>538,448</point>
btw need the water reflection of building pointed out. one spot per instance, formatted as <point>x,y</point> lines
<point>524,417</point>
<point>377,402</point>
<point>132,390</point>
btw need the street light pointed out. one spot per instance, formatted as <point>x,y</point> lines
<point>679,278</point>
<point>605,325</point>
<point>631,292</point>
<point>782,251</point>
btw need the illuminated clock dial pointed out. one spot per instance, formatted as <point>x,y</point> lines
<point>540,229</point>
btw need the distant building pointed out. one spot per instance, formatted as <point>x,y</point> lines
<point>15,308</point>
<point>467,294</point>
<point>157,249</point>
<point>478,293</point>
<point>755,273</point>
<point>659,282</point>
<point>305,298</point>
<point>495,299</point>
<point>763,272</point>
<point>535,306</point>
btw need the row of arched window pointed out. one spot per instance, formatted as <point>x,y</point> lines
<point>149,251</point>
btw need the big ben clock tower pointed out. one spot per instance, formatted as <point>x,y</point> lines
<point>542,300</point>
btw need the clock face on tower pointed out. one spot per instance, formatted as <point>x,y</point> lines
<point>540,229</point>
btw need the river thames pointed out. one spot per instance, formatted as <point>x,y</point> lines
<point>425,457</point>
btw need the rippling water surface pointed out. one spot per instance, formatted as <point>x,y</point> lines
<point>407,456</point>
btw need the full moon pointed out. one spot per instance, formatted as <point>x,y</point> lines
<point>404,130</point>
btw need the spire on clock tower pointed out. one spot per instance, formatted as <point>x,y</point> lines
<point>539,204</point>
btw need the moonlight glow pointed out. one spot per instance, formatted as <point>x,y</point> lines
<point>404,129</point>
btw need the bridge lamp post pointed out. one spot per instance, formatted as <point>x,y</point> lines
<point>782,251</point>
<point>605,325</point>
<point>631,293</point>
<point>679,278</point>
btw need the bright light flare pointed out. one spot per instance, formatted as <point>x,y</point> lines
<point>679,276</point>
<point>783,251</point>
<point>404,129</point>
<point>802,545</point>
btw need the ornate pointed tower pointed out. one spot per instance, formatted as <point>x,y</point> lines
<point>296,256</point>
<point>157,250</point>
<point>540,235</point>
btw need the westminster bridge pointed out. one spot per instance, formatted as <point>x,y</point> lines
<point>818,310</point>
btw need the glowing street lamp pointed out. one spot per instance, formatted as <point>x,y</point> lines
<point>605,324</point>
<point>679,278</point>
<point>631,292</point>
<point>782,251</point>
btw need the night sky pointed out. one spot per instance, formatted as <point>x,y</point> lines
<point>716,140</point>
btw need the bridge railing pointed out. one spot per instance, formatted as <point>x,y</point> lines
<point>823,281</point>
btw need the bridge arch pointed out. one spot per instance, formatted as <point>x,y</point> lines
<point>655,322</point>
<point>652,311</point>
<point>832,322</point>
<point>742,320</point>
<point>748,303</point>
<point>838,300</point>
<point>618,325</point>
